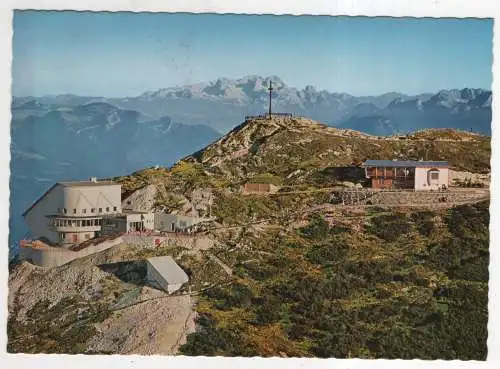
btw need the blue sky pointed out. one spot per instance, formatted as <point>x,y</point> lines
<point>126,54</point>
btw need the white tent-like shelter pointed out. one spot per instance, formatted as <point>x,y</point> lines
<point>165,272</point>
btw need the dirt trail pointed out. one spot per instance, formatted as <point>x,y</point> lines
<point>214,258</point>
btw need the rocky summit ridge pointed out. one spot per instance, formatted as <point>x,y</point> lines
<point>283,145</point>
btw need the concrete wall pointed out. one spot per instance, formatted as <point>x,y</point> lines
<point>55,256</point>
<point>80,200</point>
<point>49,257</point>
<point>170,239</point>
<point>77,237</point>
<point>145,241</point>
<point>423,181</point>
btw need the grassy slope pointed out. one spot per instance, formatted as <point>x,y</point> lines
<point>308,146</point>
<point>295,152</point>
<point>409,286</point>
<point>347,294</point>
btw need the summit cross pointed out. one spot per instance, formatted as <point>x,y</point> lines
<point>270,95</point>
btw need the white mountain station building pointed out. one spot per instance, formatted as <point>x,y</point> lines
<point>73,212</point>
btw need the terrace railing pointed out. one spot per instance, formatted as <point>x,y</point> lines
<point>266,116</point>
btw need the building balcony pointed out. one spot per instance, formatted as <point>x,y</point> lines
<point>74,224</point>
<point>396,178</point>
<point>74,229</point>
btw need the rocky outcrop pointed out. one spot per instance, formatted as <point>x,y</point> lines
<point>95,309</point>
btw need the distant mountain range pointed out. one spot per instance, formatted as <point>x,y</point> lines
<point>222,103</point>
<point>466,109</point>
<point>74,137</point>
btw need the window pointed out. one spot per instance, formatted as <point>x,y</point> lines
<point>100,210</point>
<point>64,210</point>
<point>435,175</point>
<point>84,211</point>
<point>107,209</point>
<point>74,211</point>
<point>92,210</point>
<point>114,208</point>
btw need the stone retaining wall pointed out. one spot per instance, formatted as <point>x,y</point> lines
<point>49,257</point>
<point>423,198</point>
<point>406,197</point>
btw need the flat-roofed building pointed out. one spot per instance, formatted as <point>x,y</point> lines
<point>135,221</point>
<point>255,188</point>
<point>72,212</point>
<point>407,174</point>
<point>173,222</point>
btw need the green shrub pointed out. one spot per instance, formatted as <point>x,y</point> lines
<point>389,227</point>
<point>267,309</point>
<point>212,341</point>
<point>317,229</point>
<point>327,253</point>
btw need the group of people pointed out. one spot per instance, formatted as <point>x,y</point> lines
<point>149,232</point>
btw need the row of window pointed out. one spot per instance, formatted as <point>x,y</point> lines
<point>72,237</point>
<point>84,211</point>
<point>76,222</point>
<point>398,172</point>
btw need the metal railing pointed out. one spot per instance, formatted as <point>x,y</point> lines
<point>267,116</point>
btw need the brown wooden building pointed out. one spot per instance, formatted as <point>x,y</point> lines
<point>407,174</point>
